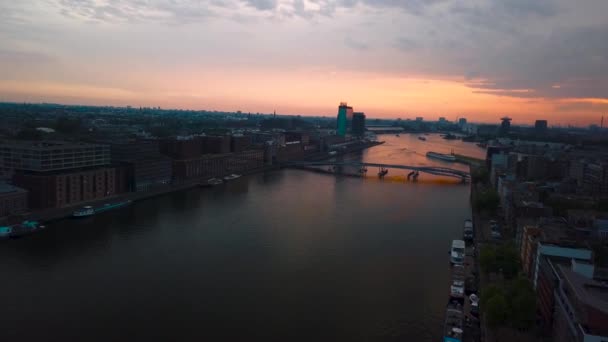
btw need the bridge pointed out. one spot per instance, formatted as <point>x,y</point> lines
<point>433,170</point>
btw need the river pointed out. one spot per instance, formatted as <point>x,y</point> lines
<point>287,255</point>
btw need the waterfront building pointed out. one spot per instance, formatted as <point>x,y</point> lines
<point>216,144</point>
<point>182,147</point>
<point>148,167</point>
<point>218,165</point>
<point>58,189</point>
<point>581,305</point>
<point>344,111</point>
<point>13,200</point>
<point>358,124</point>
<point>44,156</point>
<point>240,142</point>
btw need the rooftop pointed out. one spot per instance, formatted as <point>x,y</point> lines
<point>7,188</point>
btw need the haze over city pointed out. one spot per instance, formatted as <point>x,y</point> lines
<point>480,59</point>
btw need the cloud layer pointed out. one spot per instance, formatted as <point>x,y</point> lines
<point>554,50</point>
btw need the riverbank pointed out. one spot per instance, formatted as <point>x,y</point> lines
<point>53,214</point>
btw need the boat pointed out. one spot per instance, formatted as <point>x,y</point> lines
<point>24,228</point>
<point>457,252</point>
<point>454,319</point>
<point>445,157</point>
<point>397,135</point>
<point>232,177</point>
<point>422,138</point>
<point>215,181</point>
<point>84,212</point>
<point>90,210</point>
<point>457,288</point>
<point>5,232</point>
<point>468,232</point>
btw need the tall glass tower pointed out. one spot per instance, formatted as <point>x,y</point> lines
<point>343,112</point>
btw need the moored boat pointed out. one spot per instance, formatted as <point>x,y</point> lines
<point>215,181</point>
<point>232,177</point>
<point>90,210</point>
<point>422,138</point>
<point>441,156</point>
<point>454,319</point>
<point>468,232</point>
<point>24,228</point>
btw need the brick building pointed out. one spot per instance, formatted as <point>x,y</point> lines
<point>217,165</point>
<point>13,200</point>
<point>216,144</point>
<point>60,189</point>
<point>145,165</point>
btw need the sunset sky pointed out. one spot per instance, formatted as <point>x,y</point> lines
<point>479,59</point>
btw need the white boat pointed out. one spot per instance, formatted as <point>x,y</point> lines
<point>232,177</point>
<point>446,157</point>
<point>215,181</point>
<point>457,252</point>
<point>84,212</point>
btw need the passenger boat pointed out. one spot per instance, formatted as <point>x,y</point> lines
<point>232,177</point>
<point>215,181</point>
<point>441,156</point>
<point>90,211</point>
<point>422,138</point>
<point>18,230</point>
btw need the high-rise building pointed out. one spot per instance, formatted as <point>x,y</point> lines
<point>344,111</point>
<point>462,122</point>
<point>358,124</point>
<point>540,126</point>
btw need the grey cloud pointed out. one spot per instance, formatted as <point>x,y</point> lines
<point>357,45</point>
<point>262,5</point>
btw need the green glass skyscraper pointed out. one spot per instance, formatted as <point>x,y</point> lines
<point>343,112</point>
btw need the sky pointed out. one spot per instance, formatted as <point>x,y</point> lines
<point>478,59</point>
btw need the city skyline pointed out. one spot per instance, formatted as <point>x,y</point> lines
<point>480,60</point>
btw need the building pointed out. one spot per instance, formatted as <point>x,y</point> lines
<point>462,122</point>
<point>218,165</point>
<point>44,156</point>
<point>182,147</point>
<point>581,306</point>
<point>240,143</point>
<point>216,144</point>
<point>358,124</point>
<point>147,166</point>
<point>344,111</point>
<point>505,125</point>
<point>13,200</point>
<point>64,188</point>
<point>540,127</point>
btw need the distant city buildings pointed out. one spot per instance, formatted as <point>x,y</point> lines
<point>540,127</point>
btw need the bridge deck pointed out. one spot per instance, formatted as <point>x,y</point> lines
<point>435,170</point>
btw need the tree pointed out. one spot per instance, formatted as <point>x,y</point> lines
<point>502,259</point>
<point>487,200</point>
<point>522,302</point>
<point>496,309</point>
